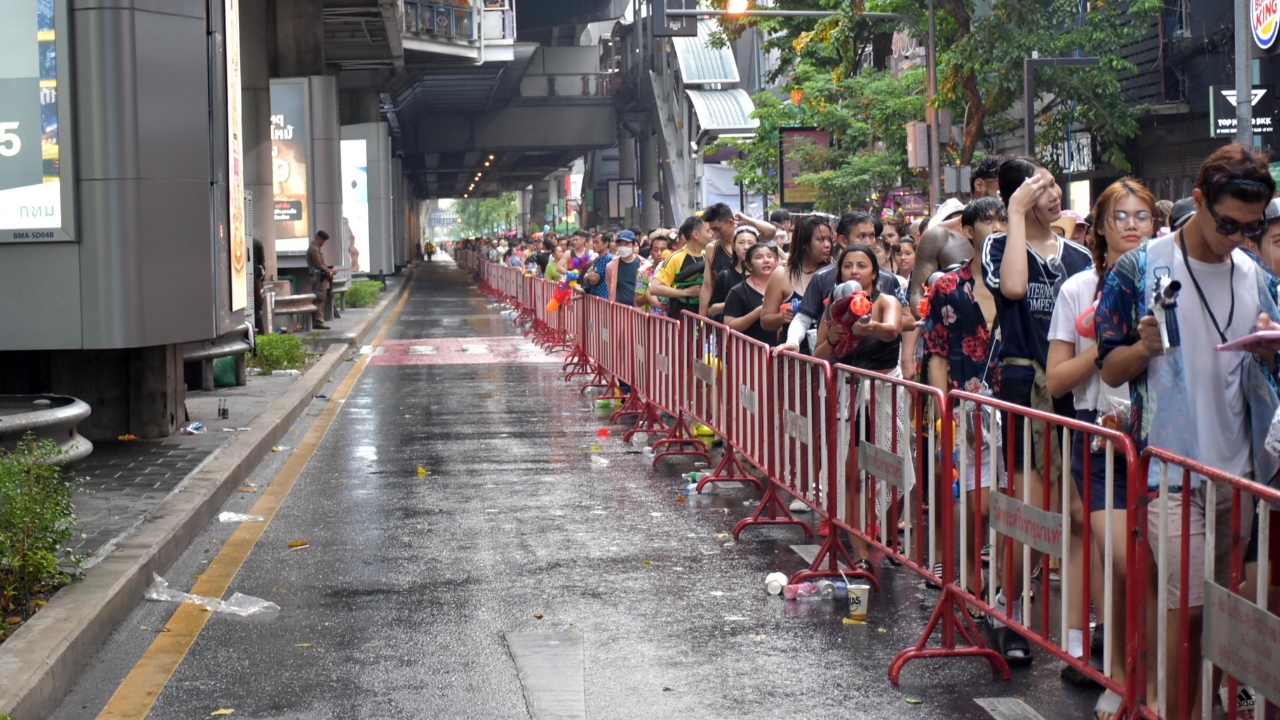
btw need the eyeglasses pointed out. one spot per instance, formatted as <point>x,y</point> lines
<point>1120,217</point>
<point>1231,226</point>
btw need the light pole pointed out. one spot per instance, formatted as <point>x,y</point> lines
<point>1244,83</point>
<point>738,8</point>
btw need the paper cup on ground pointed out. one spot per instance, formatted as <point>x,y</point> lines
<point>859,596</point>
<point>774,582</point>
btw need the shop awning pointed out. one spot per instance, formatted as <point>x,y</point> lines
<point>702,64</point>
<point>723,113</point>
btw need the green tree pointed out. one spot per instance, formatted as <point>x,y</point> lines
<point>980,61</point>
<point>487,216</point>
<point>865,110</point>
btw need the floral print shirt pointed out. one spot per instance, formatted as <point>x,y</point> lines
<point>955,329</point>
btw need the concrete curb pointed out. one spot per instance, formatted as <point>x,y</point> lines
<point>41,662</point>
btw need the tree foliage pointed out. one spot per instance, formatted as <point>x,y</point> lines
<point>980,77</point>
<point>486,216</point>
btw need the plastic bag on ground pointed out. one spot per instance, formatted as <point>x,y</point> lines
<point>598,461</point>
<point>239,517</point>
<point>246,605</point>
<point>237,604</point>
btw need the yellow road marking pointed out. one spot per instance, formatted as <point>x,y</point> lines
<point>135,696</point>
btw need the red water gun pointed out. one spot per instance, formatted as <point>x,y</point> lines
<point>850,305</point>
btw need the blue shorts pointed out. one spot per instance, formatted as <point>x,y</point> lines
<point>1098,471</point>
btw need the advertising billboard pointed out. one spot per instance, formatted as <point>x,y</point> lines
<point>235,162</point>
<point>355,199</point>
<point>36,201</point>
<point>789,141</point>
<point>290,155</point>
<point>1222,110</point>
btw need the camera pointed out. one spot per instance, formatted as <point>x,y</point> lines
<point>1164,305</point>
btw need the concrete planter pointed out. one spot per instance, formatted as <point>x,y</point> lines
<point>48,417</point>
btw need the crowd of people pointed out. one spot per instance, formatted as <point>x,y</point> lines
<point>1009,295</point>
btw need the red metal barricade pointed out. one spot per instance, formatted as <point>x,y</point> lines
<point>668,372</point>
<point>649,420</point>
<point>598,337</point>
<point>574,318</point>
<point>801,457</point>
<point>1032,513</point>
<point>1241,624</point>
<point>629,349</point>
<point>705,395</point>
<point>525,301</point>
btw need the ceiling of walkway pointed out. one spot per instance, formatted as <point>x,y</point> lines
<point>424,94</point>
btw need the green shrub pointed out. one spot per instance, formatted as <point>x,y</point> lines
<point>36,519</point>
<point>279,351</point>
<point>363,293</point>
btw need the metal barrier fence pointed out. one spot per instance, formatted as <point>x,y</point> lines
<point>872,454</point>
<point>1237,611</point>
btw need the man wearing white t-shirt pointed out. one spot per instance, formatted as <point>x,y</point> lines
<point>1197,402</point>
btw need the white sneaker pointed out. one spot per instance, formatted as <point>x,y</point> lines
<point>798,506</point>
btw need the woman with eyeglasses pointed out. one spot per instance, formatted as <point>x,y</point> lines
<point>1024,268</point>
<point>810,252</point>
<point>1126,218</point>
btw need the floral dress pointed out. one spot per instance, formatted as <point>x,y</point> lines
<point>955,329</point>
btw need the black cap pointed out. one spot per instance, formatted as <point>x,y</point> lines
<point>1181,212</point>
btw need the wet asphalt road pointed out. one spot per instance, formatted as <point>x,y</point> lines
<point>399,606</point>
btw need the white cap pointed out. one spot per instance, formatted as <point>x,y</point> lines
<point>951,207</point>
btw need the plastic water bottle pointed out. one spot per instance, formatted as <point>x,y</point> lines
<point>693,477</point>
<point>836,589</point>
<point>800,590</point>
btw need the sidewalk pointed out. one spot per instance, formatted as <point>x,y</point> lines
<point>123,481</point>
<point>343,329</point>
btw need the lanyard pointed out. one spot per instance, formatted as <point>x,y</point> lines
<point>1231,314</point>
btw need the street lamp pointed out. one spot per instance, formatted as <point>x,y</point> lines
<point>740,8</point>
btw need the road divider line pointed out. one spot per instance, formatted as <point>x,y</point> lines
<point>135,696</point>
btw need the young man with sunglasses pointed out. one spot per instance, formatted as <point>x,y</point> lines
<point>1211,406</point>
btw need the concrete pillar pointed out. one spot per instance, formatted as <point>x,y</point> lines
<point>650,211</point>
<point>359,106</point>
<point>326,168</point>
<point>299,38</point>
<point>255,78</point>
<point>537,206</point>
<point>553,197</point>
<point>626,155</point>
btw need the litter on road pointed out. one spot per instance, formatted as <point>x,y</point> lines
<point>230,517</point>
<point>237,604</point>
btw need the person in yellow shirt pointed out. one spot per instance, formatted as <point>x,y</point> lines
<point>680,278</point>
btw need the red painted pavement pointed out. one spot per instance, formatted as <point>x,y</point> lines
<point>461,351</point>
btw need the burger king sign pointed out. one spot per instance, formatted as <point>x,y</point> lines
<point>1266,22</point>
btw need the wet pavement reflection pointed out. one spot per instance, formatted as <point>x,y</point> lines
<point>401,603</point>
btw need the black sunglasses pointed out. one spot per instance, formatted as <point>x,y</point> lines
<point>1230,226</point>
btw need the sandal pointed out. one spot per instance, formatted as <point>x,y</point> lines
<point>864,565</point>
<point>973,610</point>
<point>1013,647</point>
<point>1077,677</point>
<point>1108,705</point>
<point>934,581</point>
